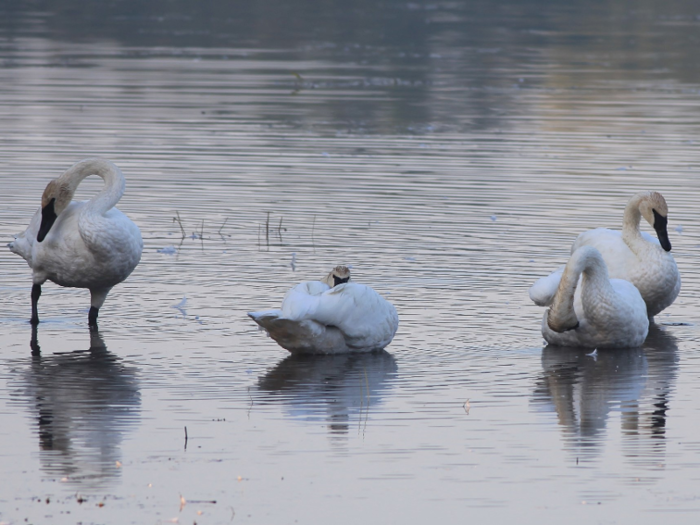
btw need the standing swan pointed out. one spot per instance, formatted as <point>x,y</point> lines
<point>88,244</point>
<point>631,255</point>
<point>607,313</point>
<point>331,316</point>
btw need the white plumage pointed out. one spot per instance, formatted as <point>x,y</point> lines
<point>631,255</point>
<point>591,310</point>
<point>88,244</point>
<point>317,318</point>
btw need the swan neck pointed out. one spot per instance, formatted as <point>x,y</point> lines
<point>113,189</point>
<point>561,315</point>
<point>630,222</point>
<point>588,263</point>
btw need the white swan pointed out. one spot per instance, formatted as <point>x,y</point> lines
<point>88,244</point>
<point>631,255</point>
<point>331,316</point>
<point>605,313</point>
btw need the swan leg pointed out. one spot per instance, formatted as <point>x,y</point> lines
<point>97,299</point>
<point>36,293</point>
<point>34,343</point>
<point>92,317</point>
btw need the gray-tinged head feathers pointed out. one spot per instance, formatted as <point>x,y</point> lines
<point>338,275</point>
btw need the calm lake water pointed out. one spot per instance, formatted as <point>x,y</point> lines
<point>449,152</point>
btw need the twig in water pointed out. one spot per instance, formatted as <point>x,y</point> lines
<point>362,398</point>
<point>222,227</point>
<point>367,384</point>
<point>297,85</point>
<point>280,229</point>
<point>185,438</point>
<point>267,230</point>
<point>179,221</point>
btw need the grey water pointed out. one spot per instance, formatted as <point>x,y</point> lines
<point>449,152</point>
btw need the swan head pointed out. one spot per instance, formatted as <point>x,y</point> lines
<point>57,196</point>
<point>654,209</point>
<point>338,275</point>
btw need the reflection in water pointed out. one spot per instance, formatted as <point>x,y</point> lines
<point>336,388</point>
<point>83,401</point>
<point>584,390</point>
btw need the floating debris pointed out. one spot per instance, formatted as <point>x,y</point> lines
<point>181,306</point>
<point>168,250</point>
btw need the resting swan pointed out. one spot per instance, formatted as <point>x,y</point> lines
<point>88,244</point>
<point>606,313</point>
<point>631,255</point>
<point>331,316</point>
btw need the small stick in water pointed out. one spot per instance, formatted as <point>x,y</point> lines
<point>179,221</point>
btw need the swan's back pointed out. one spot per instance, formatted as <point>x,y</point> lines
<point>619,258</point>
<point>85,251</point>
<point>652,270</point>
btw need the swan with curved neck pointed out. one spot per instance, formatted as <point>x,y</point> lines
<point>631,255</point>
<point>88,244</point>
<point>331,316</point>
<point>606,313</point>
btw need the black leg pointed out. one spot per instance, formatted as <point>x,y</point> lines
<point>36,293</point>
<point>92,316</point>
<point>34,343</point>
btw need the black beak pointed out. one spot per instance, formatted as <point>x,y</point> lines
<point>48,217</point>
<point>660,224</point>
<point>337,280</point>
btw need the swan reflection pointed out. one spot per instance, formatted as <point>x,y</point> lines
<point>83,403</point>
<point>584,389</point>
<point>339,389</point>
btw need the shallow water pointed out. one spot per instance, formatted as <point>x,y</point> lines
<point>450,154</point>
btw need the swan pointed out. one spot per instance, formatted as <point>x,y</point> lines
<point>331,316</point>
<point>88,244</point>
<point>631,255</point>
<point>606,313</point>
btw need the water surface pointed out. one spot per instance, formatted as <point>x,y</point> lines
<point>449,152</point>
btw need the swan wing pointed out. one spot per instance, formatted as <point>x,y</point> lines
<point>617,255</point>
<point>542,292</point>
<point>74,255</point>
<point>315,318</point>
<point>302,300</point>
<point>367,320</point>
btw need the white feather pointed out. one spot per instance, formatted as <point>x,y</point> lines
<point>91,243</point>
<point>318,319</point>
<point>591,310</point>
<point>629,254</point>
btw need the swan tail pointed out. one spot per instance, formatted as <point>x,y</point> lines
<point>543,291</point>
<point>24,242</point>
<point>265,317</point>
<point>300,336</point>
